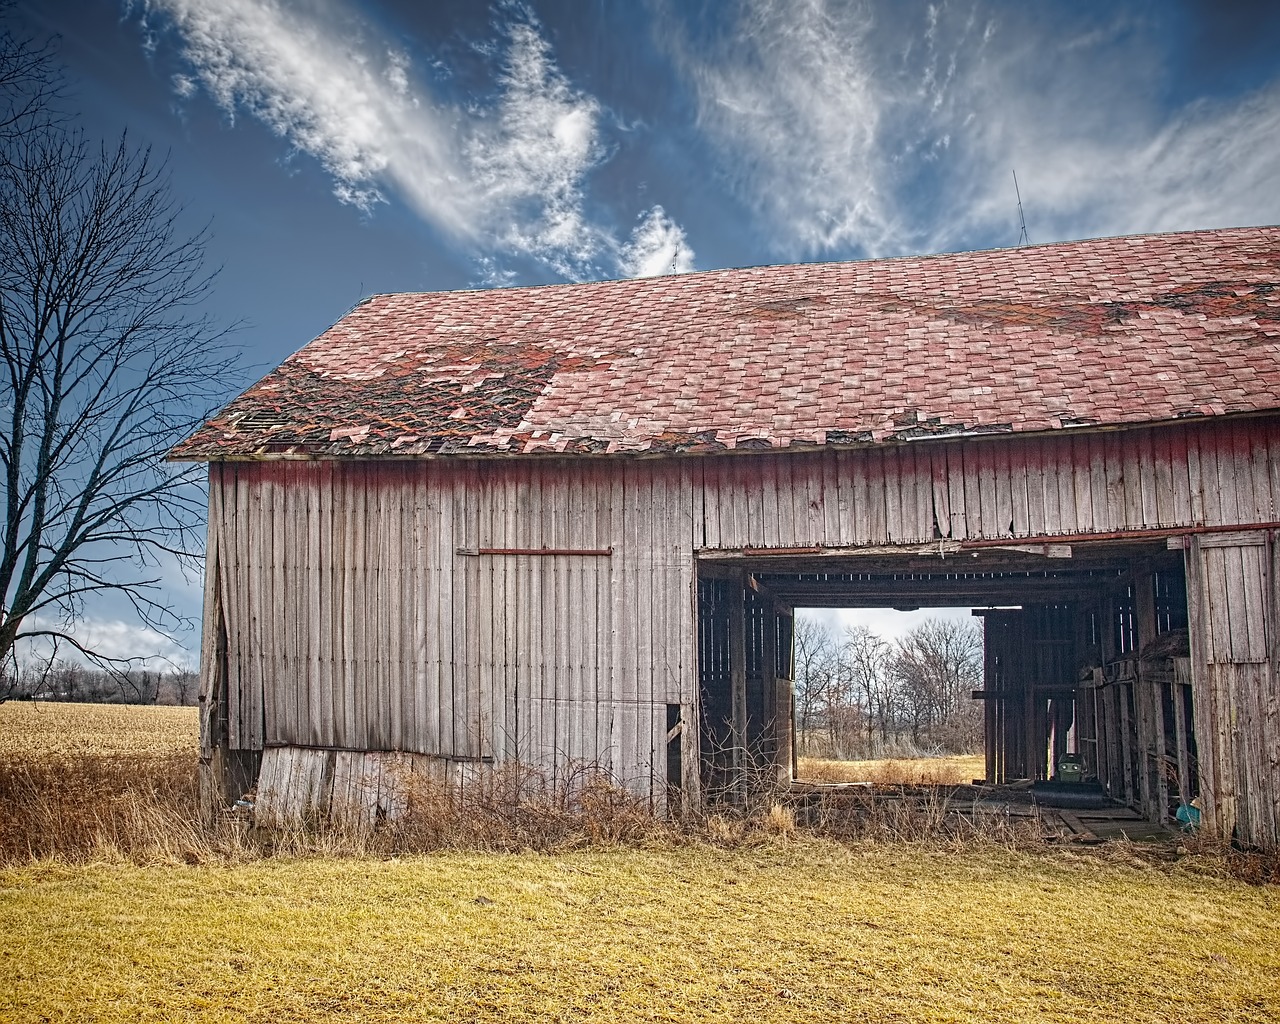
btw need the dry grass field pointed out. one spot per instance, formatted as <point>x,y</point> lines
<point>38,728</point>
<point>923,771</point>
<point>117,905</point>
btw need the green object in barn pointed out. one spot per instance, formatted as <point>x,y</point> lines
<point>1070,769</point>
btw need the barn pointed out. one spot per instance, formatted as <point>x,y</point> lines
<point>569,525</point>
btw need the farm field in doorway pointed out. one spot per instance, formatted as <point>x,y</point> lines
<point>952,770</point>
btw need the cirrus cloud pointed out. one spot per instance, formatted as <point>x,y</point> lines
<point>884,129</point>
<point>503,176</point>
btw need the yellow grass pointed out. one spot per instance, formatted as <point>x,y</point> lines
<point>34,728</point>
<point>799,930</point>
<point>913,772</point>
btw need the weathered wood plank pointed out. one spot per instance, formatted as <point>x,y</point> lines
<point>708,472</point>
<point>1132,474</point>
<point>1019,449</point>
<point>984,465</point>
<point>489,583</point>
<point>920,528</point>
<point>1003,471</point>
<point>833,518</point>
<point>859,465</point>
<point>1247,601</point>
<point>1210,482</point>
<point>1145,455</point>
<point>777,491</point>
<point>958,494</point>
<point>1163,470</point>
<point>898,493</point>
<point>941,491</point>
<point>473,740</point>
<point>877,496</point>
<point>391,640</point>
<point>1082,482</point>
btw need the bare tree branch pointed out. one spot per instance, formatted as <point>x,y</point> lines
<point>106,361</point>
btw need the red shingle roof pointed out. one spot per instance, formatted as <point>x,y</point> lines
<point>1103,332</point>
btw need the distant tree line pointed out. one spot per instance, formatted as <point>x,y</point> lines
<point>62,680</point>
<point>861,696</point>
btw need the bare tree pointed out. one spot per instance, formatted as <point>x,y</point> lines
<point>816,666</point>
<point>184,685</point>
<point>106,363</point>
<point>936,665</point>
<point>867,656</point>
<point>29,84</point>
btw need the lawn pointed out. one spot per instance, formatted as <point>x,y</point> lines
<point>795,930</point>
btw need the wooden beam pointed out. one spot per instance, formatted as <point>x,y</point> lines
<point>738,684</point>
<point>592,552</point>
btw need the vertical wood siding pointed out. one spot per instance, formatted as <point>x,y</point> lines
<point>1206,474</point>
<point>353,623</point>
<point>1233,591</point>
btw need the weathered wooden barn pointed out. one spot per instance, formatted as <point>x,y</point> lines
<point>568,525</point>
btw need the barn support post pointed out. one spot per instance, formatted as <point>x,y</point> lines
<point>1148,698</point>
<point>691,713</point>
<point>1218,809</point>
<point>773,721</point>
<point>989,706</point>
<point>784,694</point>
<point>738,685</point>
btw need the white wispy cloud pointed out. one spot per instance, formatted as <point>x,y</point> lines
<point>793,100</point>
<point>531,158</point>
<point>314,77</point>
<point>111,639</point>
<point>504,177</point>
<point>891,129</point>
<point>657,246</point>
<point>1096,156</point>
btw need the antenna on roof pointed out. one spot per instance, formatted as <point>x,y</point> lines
<point>675,258</point>
<point>1022,221</point>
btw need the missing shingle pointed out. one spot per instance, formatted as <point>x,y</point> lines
<point>262,419</point>
<point>787,307</point>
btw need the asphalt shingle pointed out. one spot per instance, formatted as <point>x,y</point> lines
<point>1102,332</point>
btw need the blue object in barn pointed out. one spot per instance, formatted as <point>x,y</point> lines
<point>1188,816</point>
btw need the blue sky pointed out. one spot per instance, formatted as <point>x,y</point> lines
<point>343,148</point>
